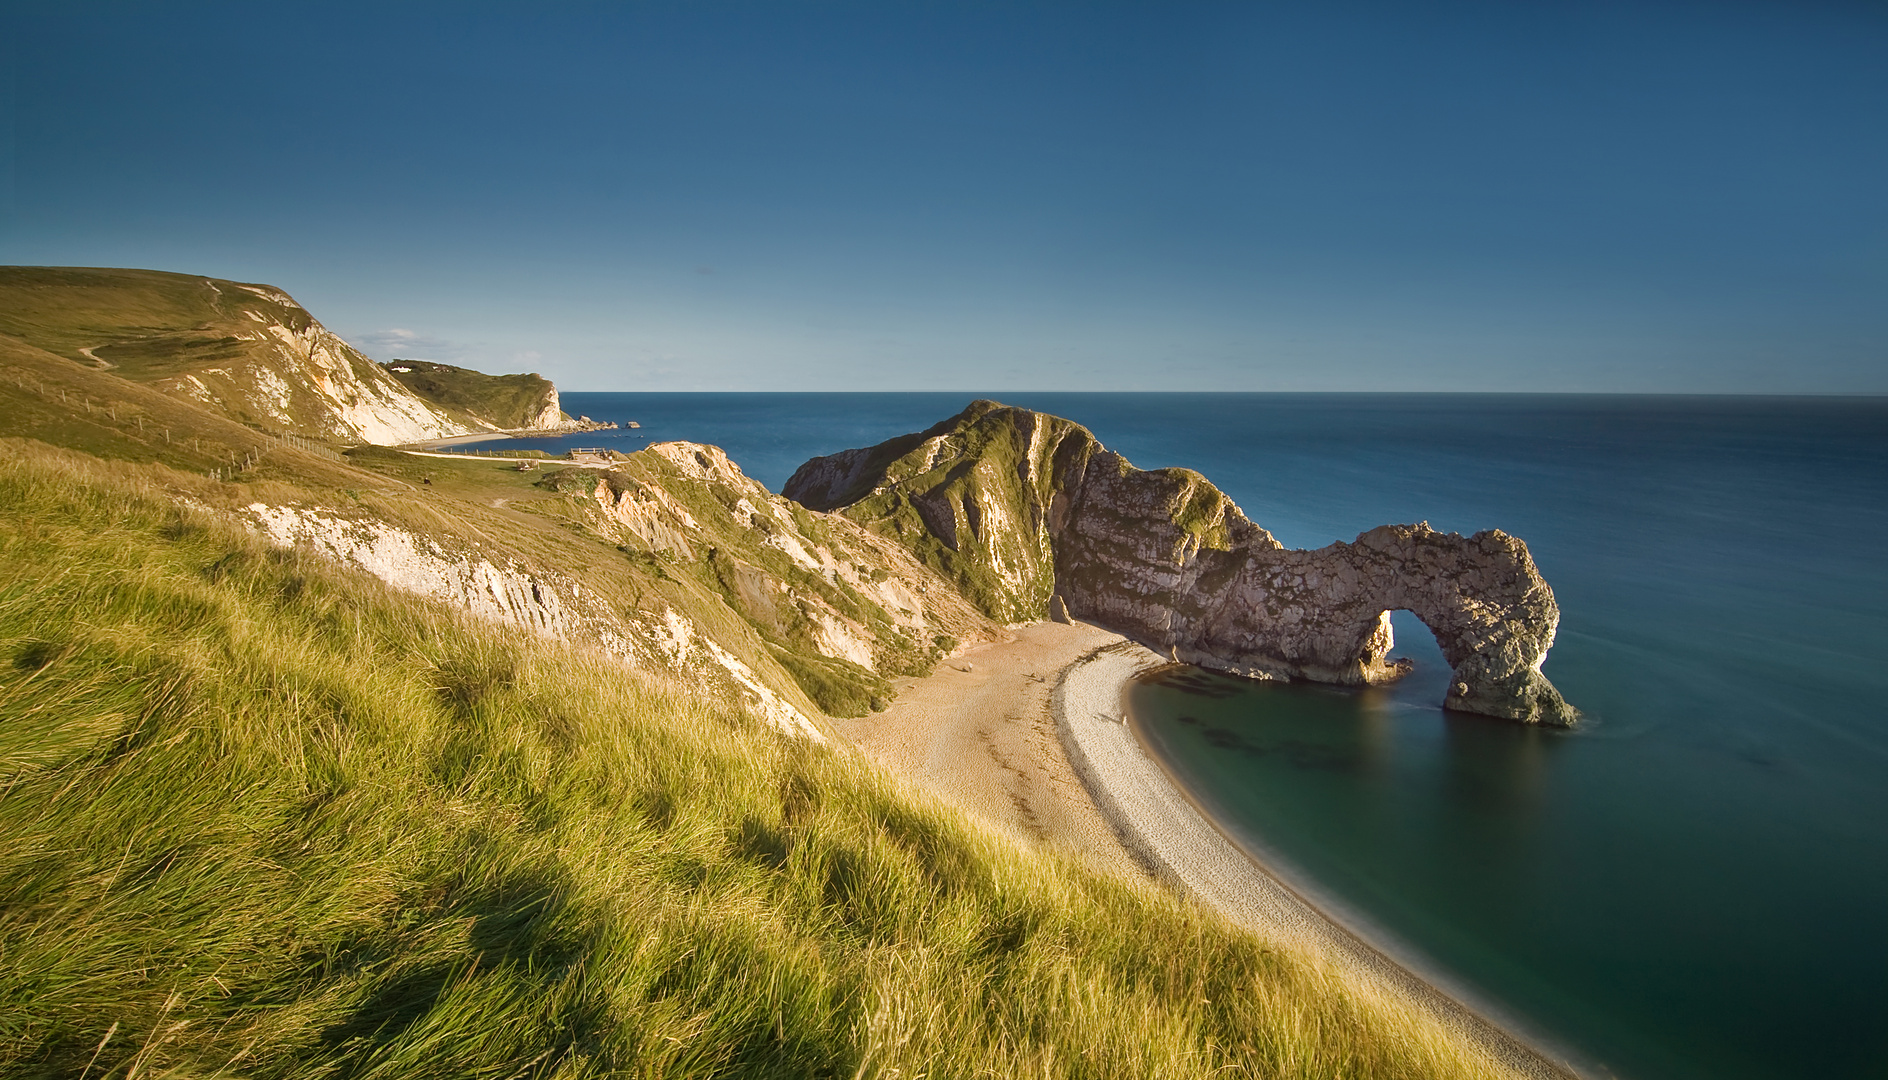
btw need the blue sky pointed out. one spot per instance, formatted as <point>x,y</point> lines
<point>890,196</point>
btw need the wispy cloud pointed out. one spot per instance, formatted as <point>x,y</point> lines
<point>408,345</point>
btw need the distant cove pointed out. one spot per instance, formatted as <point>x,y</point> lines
<point>1691,884</point>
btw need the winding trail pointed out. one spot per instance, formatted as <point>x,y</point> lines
<point>98,361</point>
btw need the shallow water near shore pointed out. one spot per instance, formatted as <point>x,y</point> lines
<point>1690,884</point>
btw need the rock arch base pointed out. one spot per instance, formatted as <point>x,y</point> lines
<point>1226,595</point>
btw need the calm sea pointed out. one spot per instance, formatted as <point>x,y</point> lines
<point>1694,883</point>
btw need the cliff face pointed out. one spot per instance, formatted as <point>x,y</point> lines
<point>1030,515</point>
<point>249,352</point>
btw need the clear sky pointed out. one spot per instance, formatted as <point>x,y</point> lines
<point>994,196</point>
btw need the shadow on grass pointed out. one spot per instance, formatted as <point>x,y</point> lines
<point>523,931</point>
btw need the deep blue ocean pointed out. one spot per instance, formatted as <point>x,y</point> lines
<point>1694,882</point>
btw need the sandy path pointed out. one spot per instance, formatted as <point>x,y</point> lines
<point>1028,734</point>
<point>458,440</point>
<point>102,363</point>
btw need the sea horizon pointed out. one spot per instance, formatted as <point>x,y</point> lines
<point>1677,531</point>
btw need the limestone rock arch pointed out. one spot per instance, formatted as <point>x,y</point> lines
<point>1066,525</point>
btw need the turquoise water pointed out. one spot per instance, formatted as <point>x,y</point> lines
<point>1692,884</point>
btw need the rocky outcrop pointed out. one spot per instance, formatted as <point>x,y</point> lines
<point>971,497</point>
<point>1031,516</point>
<point>300,378</point>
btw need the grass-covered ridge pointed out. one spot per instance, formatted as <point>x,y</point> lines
<point>969,497</point>
<point>503,401</point>
<point>695,546</point>
<point>263,817</point>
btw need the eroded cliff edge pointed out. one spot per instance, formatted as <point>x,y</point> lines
<point>1031,516</point>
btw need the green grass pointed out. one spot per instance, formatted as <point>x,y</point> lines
<point>262,817</point>
<point>149,323</point>
<point>464,501</point>
<point>63,309</point>
<point>1199,508</point>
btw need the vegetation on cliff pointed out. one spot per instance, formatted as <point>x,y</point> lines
<point>818,612</point>
<point>969,497</point>
<point>509,402</point>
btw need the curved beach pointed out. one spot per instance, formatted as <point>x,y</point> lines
<point>1168,835</point>
<point>1029,734</point>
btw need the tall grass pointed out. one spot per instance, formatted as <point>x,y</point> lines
<point>263,817</point>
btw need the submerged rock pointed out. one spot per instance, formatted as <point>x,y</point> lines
<point>1031,516</point>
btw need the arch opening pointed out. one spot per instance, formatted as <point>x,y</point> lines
<point>1423,674</point>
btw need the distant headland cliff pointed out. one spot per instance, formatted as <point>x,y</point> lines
<point>252,354</point>
<point>1031,516</point>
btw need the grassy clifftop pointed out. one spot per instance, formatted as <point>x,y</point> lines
<point>150,323</point>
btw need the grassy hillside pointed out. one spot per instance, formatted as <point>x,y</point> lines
<point>484,508</point>
<point>260,816</point>
<point>503,401</point>
<point>152,323</point>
